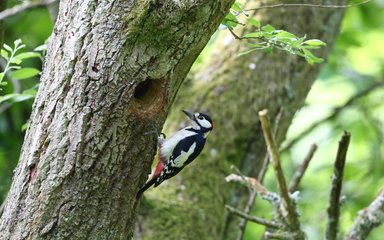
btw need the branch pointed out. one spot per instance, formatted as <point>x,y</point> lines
<point>369,218</point>
<point>281,235</point>
<point>23,7</point>
<point>274,155</point>
<point>254,219</point>
<point>333,210</point>
<point>271,197</point>
<point>260,177</point>
<point>299,173</point>
<point>335,113</point>
<point>299,5</point>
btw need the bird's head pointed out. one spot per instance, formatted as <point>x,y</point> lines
<point>200,121</point>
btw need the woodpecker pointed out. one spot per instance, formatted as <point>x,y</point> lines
<point>180,149</point>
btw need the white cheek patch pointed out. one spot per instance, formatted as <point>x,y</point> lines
<point>204,123</point>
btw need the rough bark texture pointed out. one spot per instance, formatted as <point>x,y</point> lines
<point>111,72</point>
<point>232,90</point>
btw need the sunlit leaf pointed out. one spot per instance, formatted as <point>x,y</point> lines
<point>315,42</point>
<point>237,6</point>
<point>8,48</point>
<point>17,42</point>
<point>25,73</point>
<point>4,54</point>
<point>254,22</point>
<point>252,35</point>
<point>268,28</point>
<point>27,55</point>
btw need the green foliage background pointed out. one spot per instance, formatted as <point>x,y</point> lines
<point>356,62</point>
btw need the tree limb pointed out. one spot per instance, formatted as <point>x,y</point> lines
<point>333,210</point>
<point>283,189</point>
<point>254,219</point>
<point>297,5</point>
<point>253,194</point>
<point>368,219</point>
<point>299,173</point>
<point>24,6</point>
<point>336,112</point>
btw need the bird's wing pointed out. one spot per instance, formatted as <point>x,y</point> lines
<point>186,150</point>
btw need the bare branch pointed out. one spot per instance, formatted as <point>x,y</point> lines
<point>254,219</point>
<point>333,210</point>
<point>369,218</point>
<point>281,235</point>
<point>23,7</point>
<point>274,155</point>
<point>299,173</point>
<point>253,194</point>
<point>300,5</point>
<point>334,114</point>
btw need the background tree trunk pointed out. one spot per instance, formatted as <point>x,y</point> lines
<point>232,90</point>
<point>112,70</point>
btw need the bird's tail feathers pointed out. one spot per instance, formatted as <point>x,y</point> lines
<point>145,187</point>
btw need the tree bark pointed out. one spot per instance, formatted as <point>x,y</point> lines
<point>232,90</point>
<point>112,70</point>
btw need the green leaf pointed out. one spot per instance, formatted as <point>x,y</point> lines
<point>315,42</point>
<point>254,22</point>
<point>297,42</point>
<point>4,54</point>
<point>4,83</point>
<point>7,97</point>
<point>285,34</point>
<point>268,50</point>
<point>41,48</point>
<point>1,76</point>
<point>310,57</point>
<point>237,6</point>
<point>25,73</point>
<point>8,48</point>
<point>268,28</point>
<point>27,55</point>
<point>17,42</point>
<point>247,52</point>
<point>15,61</point>
<point>25,126</point>
<point>253,35</point>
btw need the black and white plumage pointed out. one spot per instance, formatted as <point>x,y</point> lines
<point>180,149</point>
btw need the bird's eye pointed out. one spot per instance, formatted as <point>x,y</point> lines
<point>200,117</point>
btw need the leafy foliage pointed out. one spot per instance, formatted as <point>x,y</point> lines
<point>14,58</point>
<point>268,37</point>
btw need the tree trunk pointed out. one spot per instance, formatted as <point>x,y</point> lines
<point>112,70</point>
<point>232,90</point>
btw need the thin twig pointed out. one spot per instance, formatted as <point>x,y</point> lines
<point>335,113</point>
<point>253,194</point>
<point>299,173</point>
<point>369,218</point>
<point>333,210</point>
<point>23,7</point>
<point>274,155</point>
<point>254,219</point>
<point>281,235</point>
<point>300,5</point>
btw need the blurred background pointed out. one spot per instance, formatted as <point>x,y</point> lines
<point>348,95</point>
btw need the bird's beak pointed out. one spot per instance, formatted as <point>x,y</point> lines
<point>189,114</point>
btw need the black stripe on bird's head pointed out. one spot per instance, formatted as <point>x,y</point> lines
<point>200,121</point>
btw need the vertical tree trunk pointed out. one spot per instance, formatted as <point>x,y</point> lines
<point>232,90</point>
<point>111,72</point>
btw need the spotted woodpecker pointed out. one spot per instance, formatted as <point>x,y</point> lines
<point>180,149</point>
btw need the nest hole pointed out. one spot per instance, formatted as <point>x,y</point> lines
<point>147,92</point>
